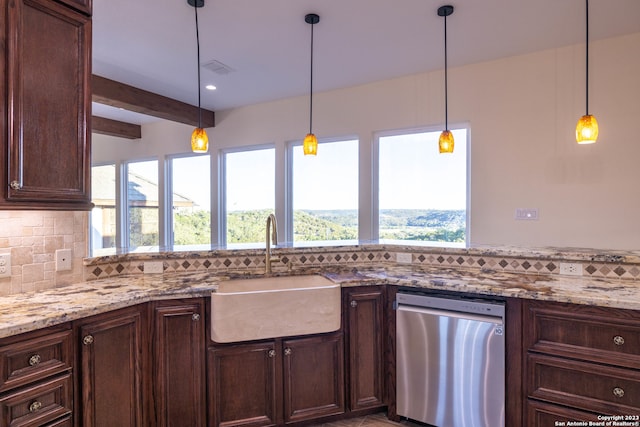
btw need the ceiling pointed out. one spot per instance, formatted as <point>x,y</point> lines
<point>151,44</point>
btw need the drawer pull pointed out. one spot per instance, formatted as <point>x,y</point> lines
<point>35,360</point>
<point>618,392</point>
<point>618,340</point>
<point>35,406</point>
<point>15,185</point>
<point>87,340</point>
<point>287,351</point>
<point>271,353</point>
<point>195,317</point>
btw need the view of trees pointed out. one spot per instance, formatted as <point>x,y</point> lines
<point>395,224</point>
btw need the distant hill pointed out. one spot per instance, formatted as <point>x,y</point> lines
<point>314,225</point>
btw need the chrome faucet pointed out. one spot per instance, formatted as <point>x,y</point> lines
<point>271,236</point>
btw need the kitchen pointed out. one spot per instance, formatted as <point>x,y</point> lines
<point>585,194</point>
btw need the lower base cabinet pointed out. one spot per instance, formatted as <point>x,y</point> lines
<point>178,361</point>
<point>112,362</point>
<point>277,381</point>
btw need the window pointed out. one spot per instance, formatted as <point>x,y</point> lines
<point>249,194</point>
<point>103,214</point>
<point>422,195</point>
<point>324,191</point>
<point>190,200</point>
<point>142,203</point>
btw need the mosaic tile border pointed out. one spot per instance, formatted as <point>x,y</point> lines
<point>247,262</point>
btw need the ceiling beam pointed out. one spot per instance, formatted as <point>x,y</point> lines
<point>110,127</point>
<point>120,95</point>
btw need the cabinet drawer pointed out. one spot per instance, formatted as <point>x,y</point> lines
<point>39,404</point>
<point>541,414</point>
<point>597,334</point>
<point>588,386</point>
<point>35,358</point>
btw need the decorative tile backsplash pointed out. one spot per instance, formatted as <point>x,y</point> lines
<point>32,238</point>
<point>292,259</point>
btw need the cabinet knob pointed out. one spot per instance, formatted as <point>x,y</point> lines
<point>195,317</point>
<point>15,185</point>
<point>35,406</point>
<point>87,340</point>
<point>271,353</point>
<point>354,303</point>
<point>618,340</point>
<point>35,360</point>
<point>618,392</point>
<point>287,351</point>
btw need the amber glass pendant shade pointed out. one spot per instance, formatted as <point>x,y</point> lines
<point>446,143</point>
<point>199,141</point>
<point>587,130</point>
<point>310,145</point>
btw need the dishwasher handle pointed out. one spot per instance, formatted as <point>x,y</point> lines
<point>496,320</point>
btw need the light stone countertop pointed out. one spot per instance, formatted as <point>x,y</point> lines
<point>30,311</point>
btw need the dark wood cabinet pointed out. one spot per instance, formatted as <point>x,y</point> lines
<point>178,359</point>
<point>313,373</point>
<point>580,361</point>
<point>36,384</point>
<point>365,329</point>
<point>112,367</point>
<point>276,381</point>
<point>46,64</point>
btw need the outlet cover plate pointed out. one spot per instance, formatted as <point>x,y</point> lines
<point>571,268</point>
<point>403,258</point>
<point>5,265</point>
<point>153,267</point>
<point>64,257</point>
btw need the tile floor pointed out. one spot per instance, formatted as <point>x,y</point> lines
<point>375,420</point>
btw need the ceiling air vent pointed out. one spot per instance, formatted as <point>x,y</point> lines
<point>218,67</point>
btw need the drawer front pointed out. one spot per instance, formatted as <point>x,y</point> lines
<point>39,404</point>
<point>591,387</point>
<point>35,358</point>
<point>590,333</point>
<point>541,414</point>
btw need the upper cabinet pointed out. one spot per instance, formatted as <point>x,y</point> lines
<point>46,60</point>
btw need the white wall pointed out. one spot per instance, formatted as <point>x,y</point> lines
<point>522,113</point>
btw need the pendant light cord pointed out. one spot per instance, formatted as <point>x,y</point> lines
<point>195,6</point>
<point>446,81</point>
<point>311,85</point>
<point>587,56</point>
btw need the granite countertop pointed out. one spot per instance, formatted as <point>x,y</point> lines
<point>30,311</point>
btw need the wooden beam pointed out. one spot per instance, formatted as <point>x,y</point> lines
<point>115,128</point>
<point>120,95</point>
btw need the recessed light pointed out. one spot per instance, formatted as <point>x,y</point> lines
<point>210,87</point>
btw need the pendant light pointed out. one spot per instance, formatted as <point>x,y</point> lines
<point>587,128</point>
<point>310,143</point>
<point>199,138</point>
<point>445,142</point>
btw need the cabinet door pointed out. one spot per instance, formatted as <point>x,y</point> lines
<point>47,63</point>
<point>365,329</point>
<point>244,381</point>
<point>313,377</point>
<point>178,342</point>
<point>111,363</point>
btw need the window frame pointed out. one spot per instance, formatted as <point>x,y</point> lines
<point>375,199</point>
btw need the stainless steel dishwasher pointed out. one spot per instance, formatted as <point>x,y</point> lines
<point>450,361</point>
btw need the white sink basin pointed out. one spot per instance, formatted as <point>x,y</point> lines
<point>270,307</point>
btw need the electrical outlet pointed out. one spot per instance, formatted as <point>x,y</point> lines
<point>527,214</point>
<point>571,268</point>
<point>403,258</point>
<point>153,267</point>
<point>63,259</point>
<point>5,265</point>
